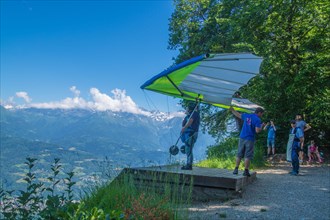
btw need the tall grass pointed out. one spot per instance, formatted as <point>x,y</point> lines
<point>160,197</point>
<point>223,155</point>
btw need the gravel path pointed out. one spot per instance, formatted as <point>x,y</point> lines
<point>276,195</point>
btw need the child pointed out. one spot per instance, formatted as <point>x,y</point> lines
<point>270,126</point>
<point>313,150</point>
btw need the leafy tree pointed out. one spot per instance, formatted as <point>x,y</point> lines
<point>293,38</point>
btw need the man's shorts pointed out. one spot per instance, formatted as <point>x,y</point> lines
<point>245,149</point>
<point>271,143</point>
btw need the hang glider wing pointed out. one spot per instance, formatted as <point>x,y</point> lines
<point>212,79</point>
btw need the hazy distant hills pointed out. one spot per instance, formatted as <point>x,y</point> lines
<point>85,140</point>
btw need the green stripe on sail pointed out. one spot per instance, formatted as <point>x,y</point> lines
<point>163,85</point>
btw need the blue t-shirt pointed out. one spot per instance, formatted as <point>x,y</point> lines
<point>271,132</point>
<point>301,124</point>
<point>250,123</point>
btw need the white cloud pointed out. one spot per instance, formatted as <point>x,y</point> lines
<point>75,91</point>
<point>24,96</point>
<point>118,102</point>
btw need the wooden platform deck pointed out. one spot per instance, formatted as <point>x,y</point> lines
<point>208,183</point>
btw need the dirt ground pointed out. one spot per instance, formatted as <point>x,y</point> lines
<point>276,195</point>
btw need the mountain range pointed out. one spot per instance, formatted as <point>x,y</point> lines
<point>93,144</point>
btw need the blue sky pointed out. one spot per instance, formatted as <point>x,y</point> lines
<point>84,53</point>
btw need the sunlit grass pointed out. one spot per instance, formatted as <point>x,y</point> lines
<point>221,163</point>
<point>223,156</point>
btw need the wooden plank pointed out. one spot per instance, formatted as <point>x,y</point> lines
<point>208,183</point>
<point>205,177</point>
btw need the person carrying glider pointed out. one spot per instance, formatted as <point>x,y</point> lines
<point>251,125</point>
<point>189,133</point>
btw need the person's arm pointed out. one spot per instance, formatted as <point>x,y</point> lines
<point>272,124</point>
<point>236,113</point>
<point>187,125</point>
<point>266,126</point>
<point>258,130</point>
<point>307,127</point>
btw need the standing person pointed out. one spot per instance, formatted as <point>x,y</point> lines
<point>298,139</point>
<point>270,137</point>
<point>251,126</point>
<point>189,133</point>
<point>304,127</point>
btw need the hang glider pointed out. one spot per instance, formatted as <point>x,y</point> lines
<point>209,78</point>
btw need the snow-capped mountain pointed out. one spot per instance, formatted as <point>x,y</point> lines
<point>85,135</point>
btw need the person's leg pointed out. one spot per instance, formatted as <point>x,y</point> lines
<point>240,154</point>
<point>301,154</point>
<point>238,161</point>
<point>313,156</point>
<point>273,146</point>
<point>309,157</point>
<point>189,153</point>
<point>268,147</point>
<point>318,156</point>
<point>189,150</point>
<point>249,151</point>
<point>247,163</point>
<point>295,160</point>
<point>295,165</point>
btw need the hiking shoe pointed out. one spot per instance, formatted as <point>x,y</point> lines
<point>235,171</point>
<point>186,168</point>
<point>246,173</point>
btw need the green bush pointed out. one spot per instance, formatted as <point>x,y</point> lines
<point>39,200</point>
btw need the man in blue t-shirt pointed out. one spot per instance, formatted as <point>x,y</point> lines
<point>270,137</point>
<point>189,133</point>
<point>251,126</point>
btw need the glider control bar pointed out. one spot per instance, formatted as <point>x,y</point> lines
<point>182,93</point>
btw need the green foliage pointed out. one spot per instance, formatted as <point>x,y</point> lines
<point>293,38</point>
<point>83,213</point>
<point>38,201</point>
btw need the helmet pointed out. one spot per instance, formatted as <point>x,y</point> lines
<point>174,150</point>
